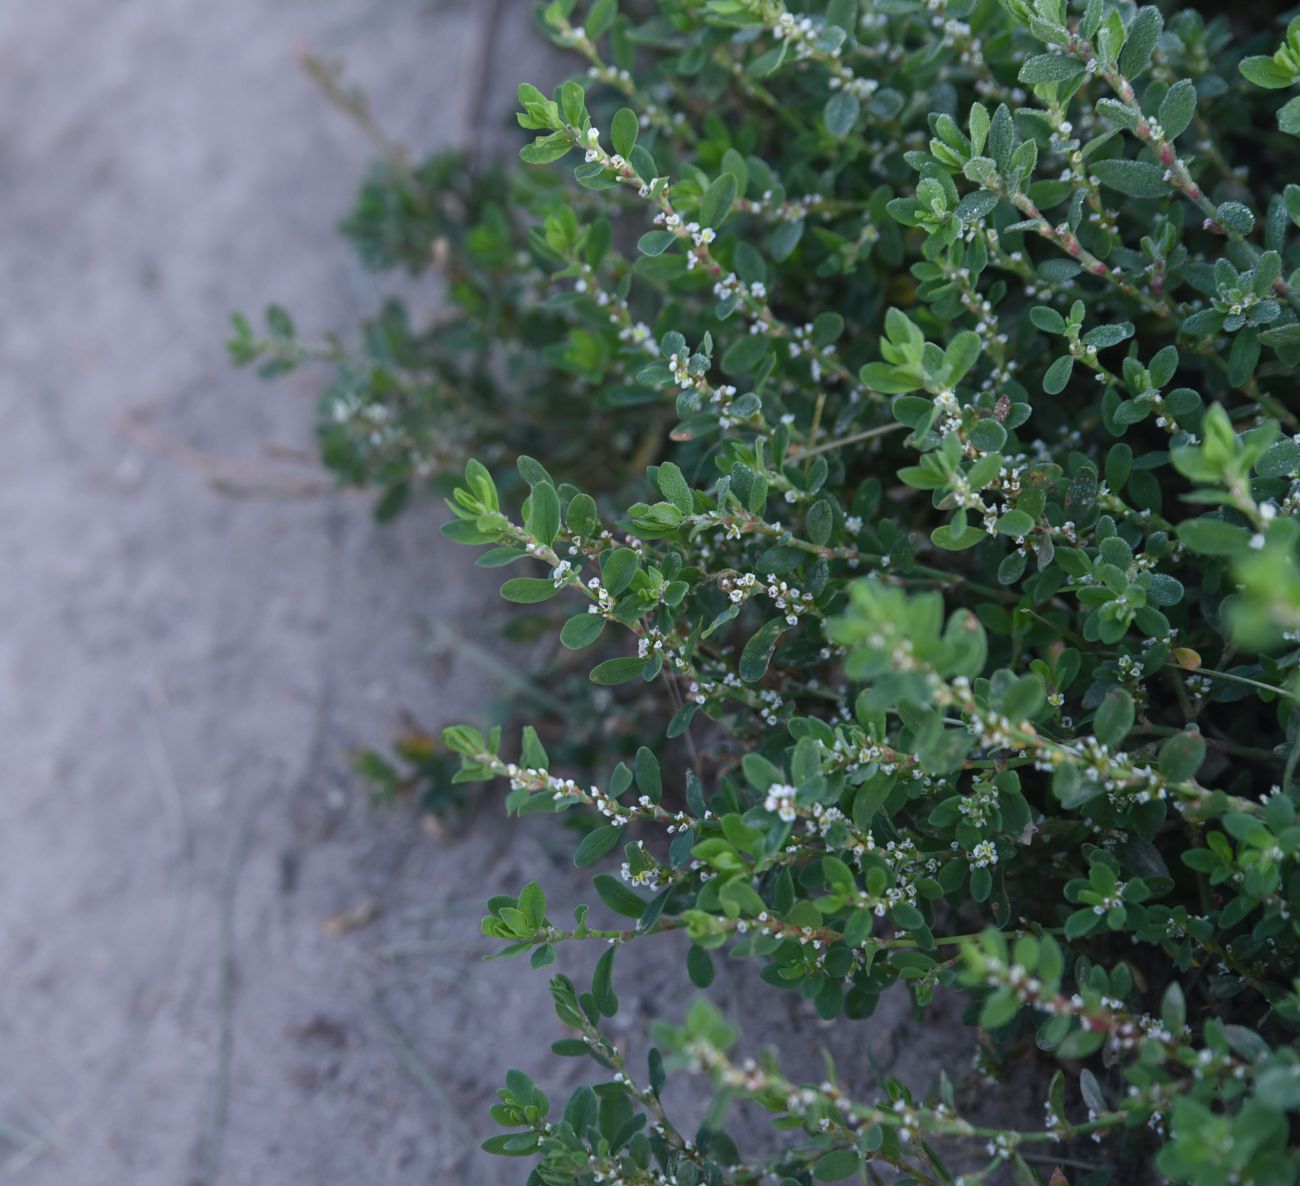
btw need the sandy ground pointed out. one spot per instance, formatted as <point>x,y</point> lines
<point>184,673</point>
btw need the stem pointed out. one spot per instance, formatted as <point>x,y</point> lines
<point>1232,677</point>
<point>841,442</point>
<point>1069,243</point>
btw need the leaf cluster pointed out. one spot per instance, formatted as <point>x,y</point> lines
<point>955,529</point>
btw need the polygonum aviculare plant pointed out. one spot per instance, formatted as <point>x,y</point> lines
<point>915,387</point>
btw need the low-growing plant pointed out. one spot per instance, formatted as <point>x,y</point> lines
<point>965,335</point>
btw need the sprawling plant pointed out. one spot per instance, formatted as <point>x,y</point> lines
<point>961,340</point>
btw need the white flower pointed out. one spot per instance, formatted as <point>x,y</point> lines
<point>780,799</point>
<point>984,854</point>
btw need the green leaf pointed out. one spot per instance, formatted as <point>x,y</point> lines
<point>1103,336</point>
<point>699,967</point>
<point>887,379</point>
<point>976,205</point>
<point>1173,1009</point>
<point>785,238</point>
<point>533,752</point>
<point>512,1144</point>
<point>1081,923</point>
<point>979,127</point>
<point>758,650</point>
<point>1177,108</point>
<point>1281,460</point>
<point>500,557</point>
<point>841,112</point>
<point>655,242</point>
<point>595,844</point>
<point>1016,523</point>
<point>745,355</point>
<point>655,1071</point>
<point>1119,113</point>
<point>1266,73</point>
<point>532,471</point>
<point>529,590</point>
<point>618,568</point>
<point>617,671</point>
<point>734,163</point>
<point>1288,119</point>
<point>988,436</point>
<point>1012,568</point>
<point>998,1008</point>
<point>1204,321</point>
<point>1236,217</point>
<point>581,515</point>
<point>649,779</point>
<point>279,322</point>
<point>981,169</point>
<point>1119,464</point>
<point>1243,357</point>
<point>1138,179</point>
<point>681,719</point>
<point>545,149</point>
<point>1050,68</point>
<point>837,1165</point>
<point>1047,319</point>
<point>532,902</point>
<point>1140,41</point>
<point>827,328</point>
<point>1114,718</point>
<point>602,984</point>
<point>674,487</point>
<point>623,131</point>
<point>617,896</point>
<point>642,163</point>
<point>543,519</point>
<point>1291,200</point>
<point>1024,698</point>
<point>581,630</point>
<point>573,102</point>
<point>961,355</point>
<point>1181,756</point>
<point>1081,1043</point>
<point>463,531</point>
<point>1283,335</point>
<point>1213,537</point>
<point>907,916</point>
<point>718,200</point>
<point>1058,375</point>
<point>600,16</point>
<point>1278,1087</point>
<point>821,521</point>
<point>956,540</point>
